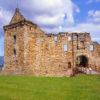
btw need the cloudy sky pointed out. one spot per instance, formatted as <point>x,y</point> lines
<point>55,15</point>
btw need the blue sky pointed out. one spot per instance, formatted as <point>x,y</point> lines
<point>55,15</point>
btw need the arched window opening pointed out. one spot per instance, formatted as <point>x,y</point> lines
<point>82,61</point>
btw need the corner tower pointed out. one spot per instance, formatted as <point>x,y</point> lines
<point>13,43</point>
<point>17,37</point>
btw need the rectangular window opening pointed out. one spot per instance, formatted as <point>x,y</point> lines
<point>14,39</point>
<point>65,47</point>
<point>14,51</point>
<point>55,38</point>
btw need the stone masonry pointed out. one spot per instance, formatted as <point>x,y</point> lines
<point>31,51</point>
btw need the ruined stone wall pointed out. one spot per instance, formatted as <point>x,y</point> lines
<point>84,42</point>
<point>52,60</point>
<point>55,59</point>
<point>43,54</point>
<point>96,56</point>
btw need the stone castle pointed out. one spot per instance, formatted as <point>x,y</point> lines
<point>31,51</point>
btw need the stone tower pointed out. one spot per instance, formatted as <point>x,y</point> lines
<point>13,43</point>
<point>17,44</point>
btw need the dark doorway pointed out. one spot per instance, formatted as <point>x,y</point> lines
<point>82,61</point>
<point>69,65</point>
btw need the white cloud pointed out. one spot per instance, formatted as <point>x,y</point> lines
<point>51,11</point>
<point>94,16</point>
<point>5,16</point>
<point>82,27</point>
<point>44,12</point>
<point>55,20</point>
<point>90,13</point>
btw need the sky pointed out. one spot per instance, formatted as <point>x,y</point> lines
<point>54,16</point>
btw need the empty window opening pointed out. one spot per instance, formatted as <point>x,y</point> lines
<point>91,47</point>
<point>14,51</point>
<point>69,65</point>
<point>69,38</point>
<point>30,27</point>
<point>81,45</point>
<point>14,38</point>
<point>55,38</point>
<point>82,61</point>
<point>65,47</point>
<point>75,37</point>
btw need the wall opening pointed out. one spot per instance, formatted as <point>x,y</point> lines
<point>14,51</point>
<point>65,48</point>
<point>14,39</point>
<point>69,65</point>
<point>82,61</point>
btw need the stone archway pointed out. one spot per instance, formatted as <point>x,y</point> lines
<point>82,61</point>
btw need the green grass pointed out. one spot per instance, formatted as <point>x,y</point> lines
<point>84,87</point>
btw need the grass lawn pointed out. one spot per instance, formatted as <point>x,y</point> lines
<point>84,87</point>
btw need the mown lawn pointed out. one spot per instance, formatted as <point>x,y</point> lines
<point>84,87</point>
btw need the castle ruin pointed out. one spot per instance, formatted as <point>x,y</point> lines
<point>29,50</point>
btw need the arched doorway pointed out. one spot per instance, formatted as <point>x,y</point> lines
<point>82,61</point>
